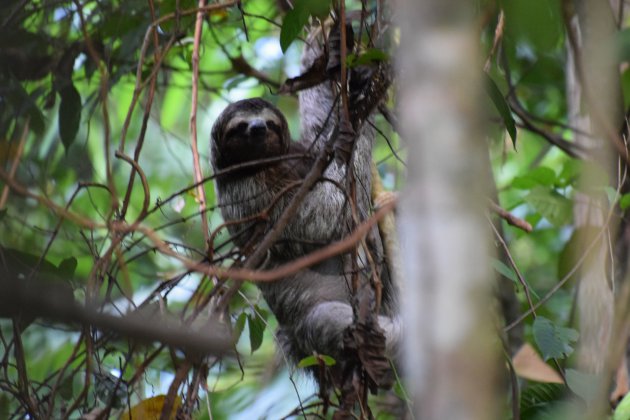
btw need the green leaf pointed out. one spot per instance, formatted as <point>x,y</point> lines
<point>318,8</point>
<point>371,55</point>
<point>3,213</point>
<point>239,326</point>
<point>622,412</point>
<point>537,22</point>
<point>293,23</point>
<point>623,44</point>
<point>504,270</point>
<point>585,385</point>
<point>66,388</point>
<point>539,397</point>
<point>538,176</point>
<point>17,100</point>
<point>551,205</point>
<point>533,219</point>
<point>624,201</point>
<point>502,107</point>
<point>315,360</point>
<point>68,266</point>
<point>257,324</point>
<point>553,341</point>
<point>69,114</point>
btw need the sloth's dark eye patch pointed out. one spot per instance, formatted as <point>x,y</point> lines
<point>237,131</point>
<point>274,127</point>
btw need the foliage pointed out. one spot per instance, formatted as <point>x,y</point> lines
<point>100,208</point>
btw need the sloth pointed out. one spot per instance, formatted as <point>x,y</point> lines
<point>314,307</point>
<point>253,129</point>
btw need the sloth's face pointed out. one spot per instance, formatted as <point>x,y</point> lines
<point>247,131</point>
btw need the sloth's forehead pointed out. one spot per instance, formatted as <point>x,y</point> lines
<point>245,116</point>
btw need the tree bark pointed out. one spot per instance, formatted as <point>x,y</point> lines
<point>451,351</point>
<point>594,105</point>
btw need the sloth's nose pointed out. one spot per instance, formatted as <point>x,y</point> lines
<point>257,127</point>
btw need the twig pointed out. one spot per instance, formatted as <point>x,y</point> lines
<point>23,382</point>
<point>510,218</point>
<point>60,375</point>
<point>498,35</point>
<point>14,164</point>
<point>158,58</point>
<point>224,172</point>
<point>198,176</point>
<point>143,50</point>
<point>57,209</point>
<point>520,277</point>
<point>143,179</point>
<point>251,274</point>
<point>40,299</point>
<point>567,276</point>
<point>104,89</point>
<point>571,149</point>
<point>180,375</point>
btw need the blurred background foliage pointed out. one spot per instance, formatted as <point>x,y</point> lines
<point>77,80</point>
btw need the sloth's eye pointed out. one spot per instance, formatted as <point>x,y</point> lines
<point>239,130</point>
<point>274,127</point>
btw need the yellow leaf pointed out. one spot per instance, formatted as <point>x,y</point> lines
<point>150,409</point>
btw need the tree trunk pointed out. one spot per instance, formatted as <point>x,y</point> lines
<point>594,106</point>
<point>451,352</point>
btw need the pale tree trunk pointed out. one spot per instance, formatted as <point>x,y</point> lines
<point>594,105</point>
<point>593,93</point>
<point>451,351</point>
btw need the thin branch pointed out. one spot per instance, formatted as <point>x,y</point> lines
<point>250,274</point>
<point>143,179</point>
<point>45,300</point>
<point>498,36</point>
<point>198,176</point>
<point>520,277</point>
<point>14,164</point>
<point>510,218</point>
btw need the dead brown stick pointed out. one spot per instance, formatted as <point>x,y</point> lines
<point>510,218</point>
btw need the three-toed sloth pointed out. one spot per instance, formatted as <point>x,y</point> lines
<point>314,307</point>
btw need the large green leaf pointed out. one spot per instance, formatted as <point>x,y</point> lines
<point>540,397</point>
<point>552,340</point>
<point>370,56</point>
<point>257,324</point>
<point>68,266</point>
<point>293,23</point>
<point>540,175</point>
<point>551,205</point>
<point>239,326</point>
<point>504,270</point>
<point>69,114</point>
<point>296,18</point>
<point>586,385</point>
<point>502,107</point>
<point>538,22</point>
<point>624,201</point>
